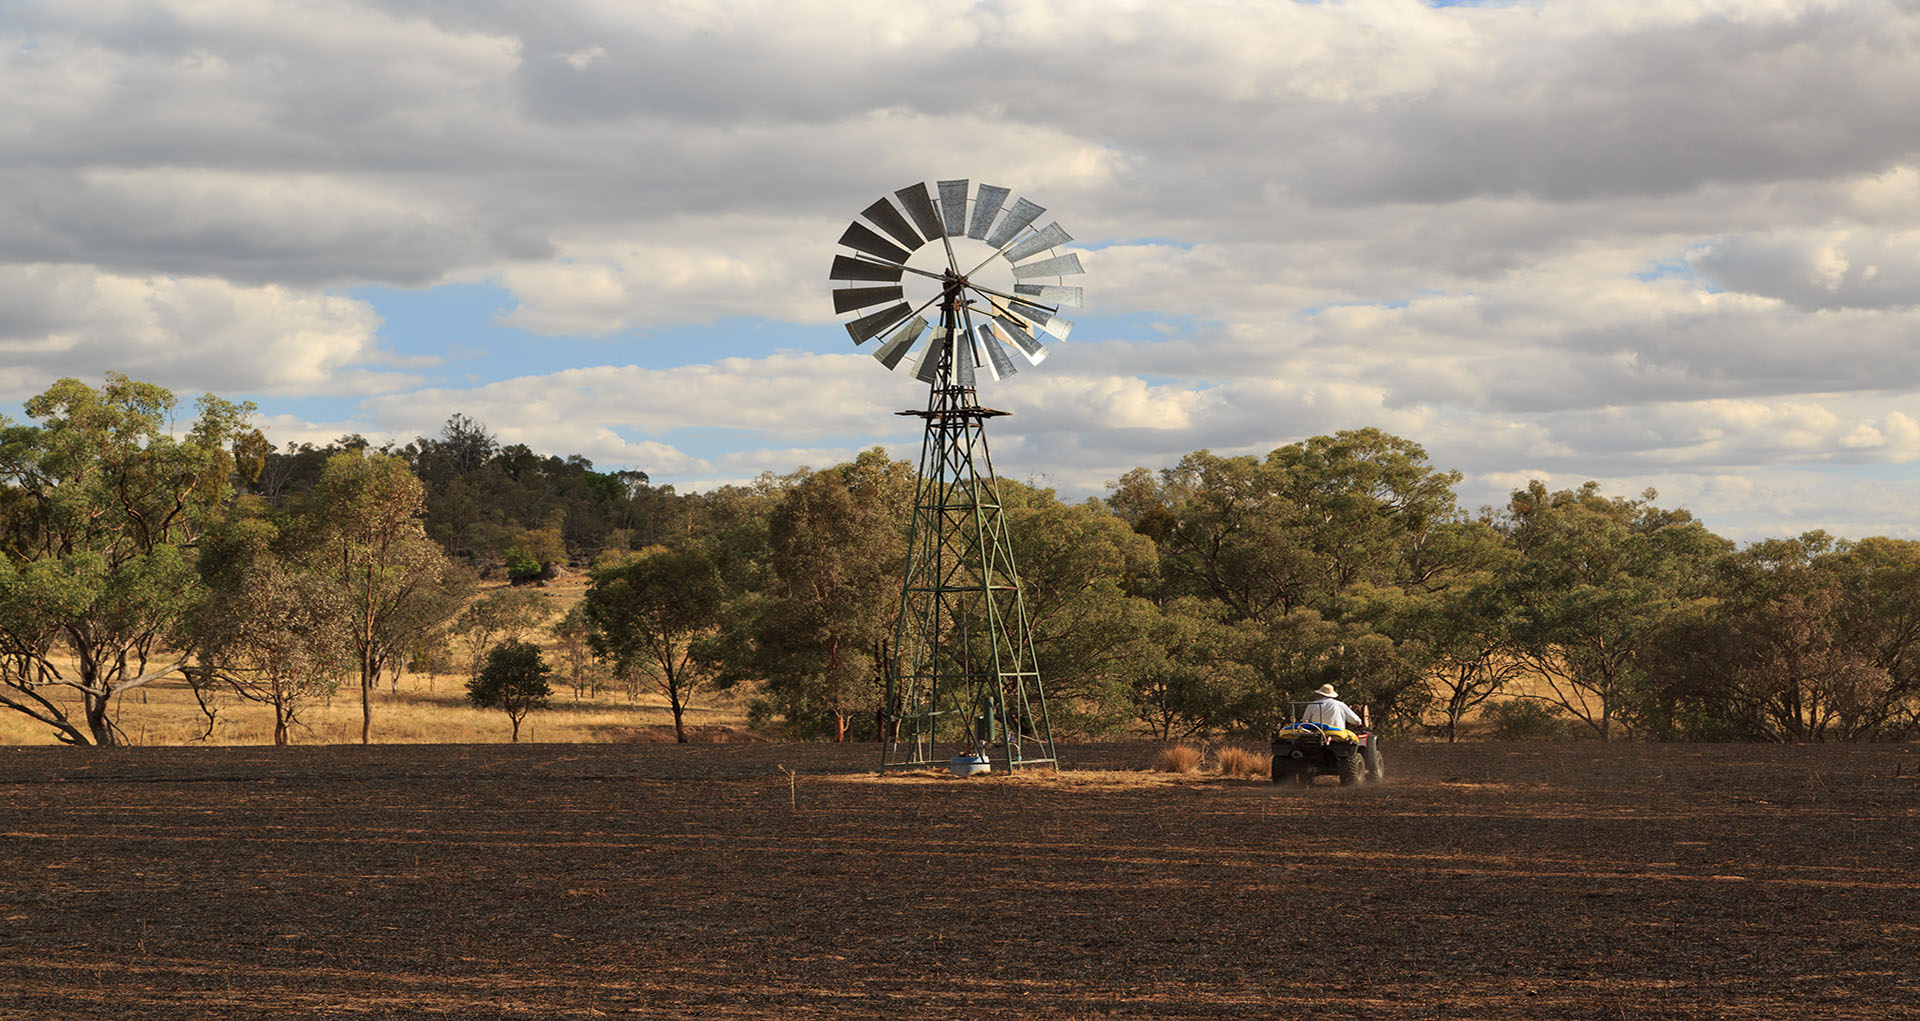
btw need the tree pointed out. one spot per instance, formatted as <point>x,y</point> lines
<point>507,613</point>
<point>1194,677</point>
<point>1809,641</point>
<point>573,635</point>
<point>650,613</point>
<point>101,508</point>
<point>514,680</point>
<point>363,531</point>
<point>1082,571</point>
<point>820,632</point>
<point>271,630</point>
<point>1595,581</point>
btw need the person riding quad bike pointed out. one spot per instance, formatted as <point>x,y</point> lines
<point>1328,738</point>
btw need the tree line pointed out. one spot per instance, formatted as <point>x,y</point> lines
<point>1203,598</point>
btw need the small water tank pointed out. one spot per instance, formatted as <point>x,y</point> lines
<point>968,765</point>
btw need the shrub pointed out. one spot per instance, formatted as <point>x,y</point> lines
<point>1525,720</point>
<point>1179,758</point>
<point>1237,761</point>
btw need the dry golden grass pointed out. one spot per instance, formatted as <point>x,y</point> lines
<point>1179,758</point>
<point>418,709</point>
<point>1234,760</point>
<point>421,710</point>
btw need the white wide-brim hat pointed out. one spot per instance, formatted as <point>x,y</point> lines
<point>1327,690</point>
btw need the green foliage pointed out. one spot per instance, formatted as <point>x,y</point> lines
<point>502,614</point>
<point>1809,640</point>
<point>514,681</point>
<point>819,630</point>
<point>656,614</point>
<point>271,629</point>
<point>1594,582</point>
<point>361,529</point>
<point>101,510</point>
<point>523,566</point>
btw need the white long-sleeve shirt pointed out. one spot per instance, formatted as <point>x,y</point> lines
<point>1331,712</point>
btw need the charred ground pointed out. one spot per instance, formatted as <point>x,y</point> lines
<point>1548,881</point>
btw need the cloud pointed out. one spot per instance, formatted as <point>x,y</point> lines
<point>192,334</point>
<point>1669,241</point>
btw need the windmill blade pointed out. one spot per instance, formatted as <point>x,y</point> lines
<point>847,299</point>
<point>860,238</point>
<point>963,361</point>
<point>1068,296</point>
<point>1060,266</point>
<point>897,346</point>
<point>1034,314</point>
<point>980,361</point>
<point>986,206</point>
<point>1014,331</point>
<point>887,218</point>
<point>868,327</point>
<point>1058,327</point>
<point>927,370</point>
<point>1050,236</point>
<point>996,354</point>
<point>1022,214</point>
<point>953,206</point>
<point>845,268</point>
<point>919,205</point>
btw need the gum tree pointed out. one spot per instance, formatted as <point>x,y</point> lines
<point>102,509</point>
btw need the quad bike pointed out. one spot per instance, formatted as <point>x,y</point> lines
<point>1302,751</point>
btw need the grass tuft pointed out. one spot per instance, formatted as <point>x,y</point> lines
<point>1179,758</point>
<point>1237,761</point>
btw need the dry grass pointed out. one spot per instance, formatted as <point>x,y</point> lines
<point>1234,760</point>
<point>418,709</point>
<point>1179,758</point>
<point>421,710</point>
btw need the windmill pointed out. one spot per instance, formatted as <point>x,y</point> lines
<point>973,276</point>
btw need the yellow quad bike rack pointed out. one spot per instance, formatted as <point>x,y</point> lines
<point>1302,751</point>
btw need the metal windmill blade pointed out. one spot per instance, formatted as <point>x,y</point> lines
<point>953,206</point>
<point>884,216</point>
<point>1050,236</point>
<point>896,347</point>
<point>919,205</point>
<point>996,354</point>
<point>1052,294</point>
<point>1058,266</point>
<point>868,327</point>
<point>927,369</point>
<point>846,268</point>
<point>862,238</point>
<point>1016,220</point>
<point>963,360</point>
<point>1015,333</point>
<point>986,206</point>
<point>847,299</point>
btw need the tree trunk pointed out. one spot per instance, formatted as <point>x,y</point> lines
<point>679,712</point>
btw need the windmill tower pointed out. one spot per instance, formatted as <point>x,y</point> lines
<point>964,687</point>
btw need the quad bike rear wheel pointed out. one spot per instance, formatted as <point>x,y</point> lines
<point>1352,768</point>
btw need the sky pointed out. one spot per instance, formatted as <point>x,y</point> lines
<point>1671,244</point>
